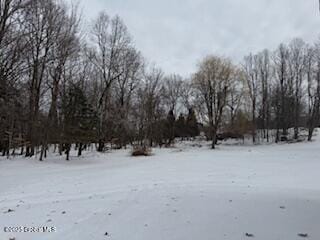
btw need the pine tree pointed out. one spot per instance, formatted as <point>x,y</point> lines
<point>80,120</point>
<point>192,124</point>
<point>181,130</point>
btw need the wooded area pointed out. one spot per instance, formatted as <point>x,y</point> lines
<point>63,85</point>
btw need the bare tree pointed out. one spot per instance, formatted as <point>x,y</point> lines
<point>280,62</point>
<point>212,82</point>
<point>110,38</point>
<point>172,91</point>
<point>12,69</point>
<point>236,95</point>
<point>150,112</point>
<point>65,47</point>
<point>313,88</point>
<point>297,71</point>
<point>9,15</point>
<point>187,94</point>
<point>251,70</point>
<point>40,24</point>
<point>124,89</point>
<point>264,66</point>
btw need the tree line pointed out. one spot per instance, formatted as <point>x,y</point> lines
<point>63,85</point>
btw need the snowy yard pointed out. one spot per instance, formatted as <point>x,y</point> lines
<point>271,192</point>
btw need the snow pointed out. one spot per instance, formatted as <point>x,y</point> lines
<point>183,193</point>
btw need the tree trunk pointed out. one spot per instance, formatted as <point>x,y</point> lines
<point>60,149</point>
<point>22,150</point>
<point>79,149</point>
<point>310,134</point>
<point>101,145</point>
<point>68,147</point>
<point>214,139</point>
<point>214,136</point>
<point>254,122</point>
<point>42,152</point>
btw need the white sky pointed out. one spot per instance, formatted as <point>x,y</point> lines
<point>176,34</point>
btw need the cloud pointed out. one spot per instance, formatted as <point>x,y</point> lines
<point>176,34</point>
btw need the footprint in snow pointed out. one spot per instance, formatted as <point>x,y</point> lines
<point>64,212</point>
<point>303,235</point>
<point>282,207</point>
<point>9,211</point>
<point>249,235</point>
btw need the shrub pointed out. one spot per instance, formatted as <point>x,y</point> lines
<point>141,151</point>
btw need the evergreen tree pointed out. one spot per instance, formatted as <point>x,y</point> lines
<point>80,120</point>
<point>192,124</point>
<point>171,126</point>
<point>181,130</point>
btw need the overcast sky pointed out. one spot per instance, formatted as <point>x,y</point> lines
<point>176,34</point>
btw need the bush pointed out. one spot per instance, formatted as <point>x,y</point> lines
<point>141,151</point>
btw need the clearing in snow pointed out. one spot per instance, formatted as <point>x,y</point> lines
<point>185,193</point>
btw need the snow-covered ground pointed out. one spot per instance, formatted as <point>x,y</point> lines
<point>185,193</point>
